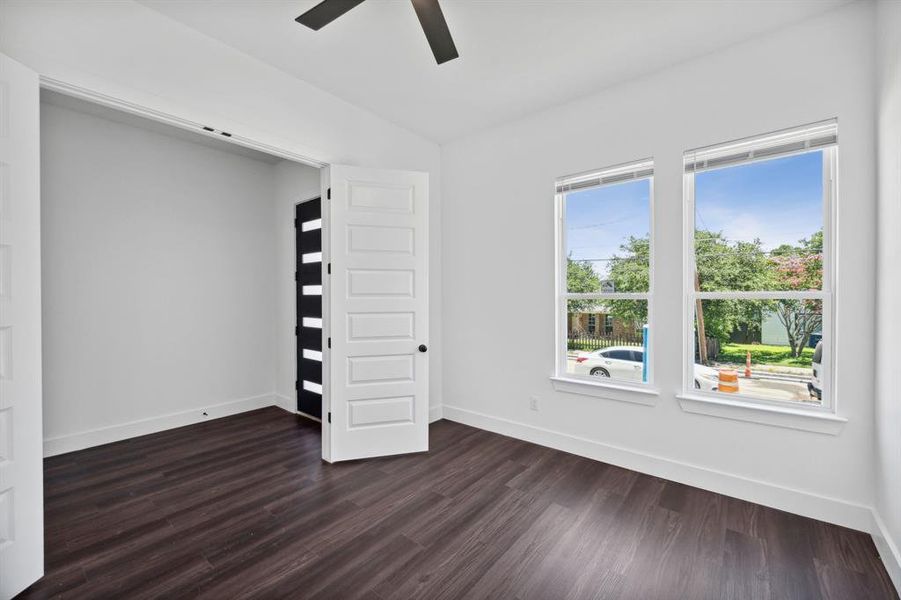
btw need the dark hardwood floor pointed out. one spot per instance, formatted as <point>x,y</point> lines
<point>243,507</point>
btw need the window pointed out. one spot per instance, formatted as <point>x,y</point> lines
<point>605,268</point>
<point>608,324</point>
<point>758,278</point>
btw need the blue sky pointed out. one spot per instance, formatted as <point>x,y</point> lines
<point>778,201</point>
<point>598,220</point>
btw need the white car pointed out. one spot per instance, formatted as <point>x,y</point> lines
<point>626,362</point>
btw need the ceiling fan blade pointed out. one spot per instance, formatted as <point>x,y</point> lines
<point>325,12</point>
<point>436,32</point>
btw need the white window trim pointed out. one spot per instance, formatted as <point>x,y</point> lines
<point>753,412</point>
<point>822,418</point>
<point>638,393</point>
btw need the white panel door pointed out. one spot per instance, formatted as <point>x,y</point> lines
<point>21,435</point>
<point>378,313</point>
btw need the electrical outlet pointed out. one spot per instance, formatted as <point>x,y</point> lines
<point>533,402</point>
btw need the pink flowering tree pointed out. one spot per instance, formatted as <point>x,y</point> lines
<point>799,268</point>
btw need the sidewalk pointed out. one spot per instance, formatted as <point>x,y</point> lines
<point>802,372</point>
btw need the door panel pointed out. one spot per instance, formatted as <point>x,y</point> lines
<point>381,326</point>
<point>381,411</point>
<point>381,368</point>
<point>380,283</point>
<point>378,302</point>
<point>21,435</point>
<point>391,240</point>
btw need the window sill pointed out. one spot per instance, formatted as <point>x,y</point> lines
<point>817,422</point>
<point>610,391</point>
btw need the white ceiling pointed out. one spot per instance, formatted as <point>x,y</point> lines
<point>516,56</point>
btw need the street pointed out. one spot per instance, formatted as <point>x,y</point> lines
<point>761,385</point>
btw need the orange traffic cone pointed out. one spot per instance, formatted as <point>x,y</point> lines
<point>748,365</point>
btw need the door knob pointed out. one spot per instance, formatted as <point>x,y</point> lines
<point>423,348</point>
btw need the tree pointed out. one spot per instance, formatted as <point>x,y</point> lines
<point>581,279</point>
<point>629,272</point>
<point>722,265</point>
<point>799,268</point>
<point>730,266</point>
<point>800,319</point>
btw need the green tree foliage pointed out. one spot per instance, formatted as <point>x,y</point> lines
<point>735,266</point>
<point>722,265</point>
<point>581,279</point>
<point>629,272</point>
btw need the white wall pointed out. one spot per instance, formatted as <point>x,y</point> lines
<point>888,286</point>
<point>498,222</point>
<point>293,183</point>
<point>132,53</point>
<point>159,279</point>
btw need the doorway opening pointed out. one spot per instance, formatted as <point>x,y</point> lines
<point>167,270</point>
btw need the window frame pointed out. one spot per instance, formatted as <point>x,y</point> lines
<point>608,324</point>
<point>562,294</point>
<point>826,294</point>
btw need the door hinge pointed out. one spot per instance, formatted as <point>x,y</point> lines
<point>330,342</point>
<point>295,223</point>
<point>295,276</point>
<point>330,417</point>
<point>296,330</point>
<point>330,268</point>
<point>297,385</point>
<point>328,194</point>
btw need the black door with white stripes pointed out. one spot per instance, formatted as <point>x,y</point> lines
<point>308,231</point>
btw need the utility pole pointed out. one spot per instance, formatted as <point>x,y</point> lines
<point>699,315</point>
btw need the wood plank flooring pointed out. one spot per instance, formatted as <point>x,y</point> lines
<point>242,507</point>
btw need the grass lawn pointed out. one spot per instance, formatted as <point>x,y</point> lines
<point>761,354</point>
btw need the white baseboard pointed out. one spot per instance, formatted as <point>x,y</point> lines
<point>823,508</point>
<point>123,431</point>
<point>285,403</point>
<point>888,550</point>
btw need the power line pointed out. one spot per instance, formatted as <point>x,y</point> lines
<point>604,224</point>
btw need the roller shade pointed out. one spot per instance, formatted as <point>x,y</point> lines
<point>780,143</point>
<point>612,175</point>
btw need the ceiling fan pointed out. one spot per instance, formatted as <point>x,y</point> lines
<point>430,18</point>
